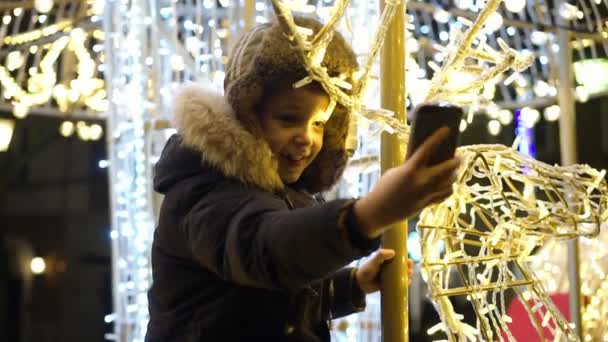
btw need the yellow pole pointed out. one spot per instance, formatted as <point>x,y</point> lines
<point>567,140</point>
<point>249,15</point>
<point>394,276</point>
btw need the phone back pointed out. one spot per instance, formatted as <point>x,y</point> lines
<point>427,119</point>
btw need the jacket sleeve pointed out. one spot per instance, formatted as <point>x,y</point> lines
<point>345,295</point>
<point>250,237</point>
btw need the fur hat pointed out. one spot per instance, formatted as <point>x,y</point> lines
<point>263,59</point>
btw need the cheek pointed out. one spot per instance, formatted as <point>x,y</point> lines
<point>318,142</point>
<point>277,140</point>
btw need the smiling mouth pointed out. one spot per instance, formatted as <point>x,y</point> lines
<point>296,160</point>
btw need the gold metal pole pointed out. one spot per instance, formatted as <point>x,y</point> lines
<point>249,14</point>
<point>394,276</point>
<point>567,139</point>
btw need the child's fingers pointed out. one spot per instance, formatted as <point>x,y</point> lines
<point>429,146</point>
<point>410,268</point>
<point>446,185</point>
<point>445,169</point>
<point>382,255</point>
<point>441,195</point>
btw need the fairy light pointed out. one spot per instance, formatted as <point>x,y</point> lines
<point>493,23</point>
<point>6,133</point>
<point>132,217</point>
<point>441,16</point>
<point>582,94</point>
<point>515,6</point>
<point>446,87</point>
<point>568,11</point>
<point>478,214</point>
<point>43,6</point>
<point>30,36</point>
<point>539,38</point>
<point>66,129</point>
<point>37,265</point>
<point>551,113</point>
<point>142,82</point>
<point>311,52</point>
<point>42,84</point>
<point>494,127</point>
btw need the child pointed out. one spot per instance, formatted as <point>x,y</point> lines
<point>243,251</point>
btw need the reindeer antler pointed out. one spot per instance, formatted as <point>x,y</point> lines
<point>461,49</point>
<point>312,52</point>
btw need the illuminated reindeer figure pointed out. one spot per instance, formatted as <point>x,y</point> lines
<point>504,206</point>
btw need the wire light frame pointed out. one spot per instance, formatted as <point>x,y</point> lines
<point>504,206</point>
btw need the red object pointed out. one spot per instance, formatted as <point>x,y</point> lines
<point>521,327</point>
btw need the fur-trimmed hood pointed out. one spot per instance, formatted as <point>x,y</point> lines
<point>207,124</point>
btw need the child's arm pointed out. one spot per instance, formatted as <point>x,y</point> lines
<point>404,190</point>
<point>344,294</point>
<point>250,237</point>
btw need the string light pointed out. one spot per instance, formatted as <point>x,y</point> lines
<point>582,94</point>
<point>42,85</point>
<point>6,133</point>
<point>66,129</point>
<point>489,215</point>
<point>30,36</point>
<point>515,6</point>
<point>551,113</point>
<point>494,127</point>
<point>37,265</point>
<point>463,91</point>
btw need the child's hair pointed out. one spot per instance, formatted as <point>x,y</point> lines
<point>264,59</point>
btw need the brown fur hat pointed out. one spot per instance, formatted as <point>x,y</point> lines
<point>264,58</point>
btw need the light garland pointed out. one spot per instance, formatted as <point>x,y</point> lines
<point>85,89</point>
<point>313,51</point>
<point>504,205</point>
<point>448,88</point>
<point>595,315</point>
<point>27,37</point>
<point>152,52</point>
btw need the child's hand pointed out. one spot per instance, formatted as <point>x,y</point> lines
<point>404,190</point>
<point>368,275</point>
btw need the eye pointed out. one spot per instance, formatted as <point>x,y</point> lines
<point>287,118</point>
<point>319,123</point>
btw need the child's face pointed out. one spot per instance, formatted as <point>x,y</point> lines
<point>292,123</point>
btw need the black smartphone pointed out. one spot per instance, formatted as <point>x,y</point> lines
<point>429,117</point>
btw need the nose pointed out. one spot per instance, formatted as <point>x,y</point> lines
<point>304,136</point>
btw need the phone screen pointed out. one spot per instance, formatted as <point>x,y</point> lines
<point>427,119</point>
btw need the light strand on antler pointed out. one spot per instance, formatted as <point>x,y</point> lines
<point>313,51</point>
<point>443,87</point>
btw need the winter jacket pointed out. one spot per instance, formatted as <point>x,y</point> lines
<point>237,255</point>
